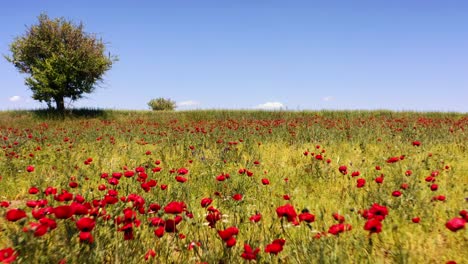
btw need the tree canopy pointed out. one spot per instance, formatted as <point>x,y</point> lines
<point>62,60</point>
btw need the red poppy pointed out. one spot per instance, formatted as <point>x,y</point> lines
<point>175,207</point>
<point>288,211</point>
<point>338,217</point>
<point>339,228</point>
<point>182,171</point>
<point>237,197</point>
<point>231,242</point>
<point>30,168</point>
<point>205,202</point>
<point>379,180</point>
<point>85,224</point>
<point>14,215</point>
<point>150,253</point>
<point>373,226</point>
<point>416,143</point>
<point>63,212</point>
<point>256,218</point>
<point>355,173</point>
<point>434,187</point>
<point>33,190</point>
<point>180,179</point>
<point>275,247</point>
<point>455,224</point>
<point>343,169</point>
<point>265,181</point>
<point>228,233</point>
<point>416,220</point>
<point>213,216</point>
<point>393,159</point>
<point>248,253</point>
<point>306,217</point>
<point>396,193</point>
<point>86,237</point>
<point>360,182</point>
<point>170,226</point>
<point>159,232</point>
<point>129,174</point>
<point>7,255</point>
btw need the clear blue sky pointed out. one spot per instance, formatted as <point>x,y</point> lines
<point>244,54</point>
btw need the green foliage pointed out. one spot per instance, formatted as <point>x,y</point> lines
<point>62,60</point>
<point>162,104</point>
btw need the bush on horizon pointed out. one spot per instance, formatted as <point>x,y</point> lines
<point>162,104</point>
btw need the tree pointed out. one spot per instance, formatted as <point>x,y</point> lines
<point>162,104</point>
<point>62,60</point>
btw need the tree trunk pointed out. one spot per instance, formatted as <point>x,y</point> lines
<point>60,104</point>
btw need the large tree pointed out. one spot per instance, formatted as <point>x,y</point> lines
<point>62,60</point>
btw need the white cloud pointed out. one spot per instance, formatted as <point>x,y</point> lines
<point>188,103</point>
<point>14,98</point>
<point>328,98</point>
<point>270,106</point>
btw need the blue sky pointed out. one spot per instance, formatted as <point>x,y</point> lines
<point>245,54</point>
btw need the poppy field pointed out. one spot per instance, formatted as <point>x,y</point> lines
<point>234,187</point>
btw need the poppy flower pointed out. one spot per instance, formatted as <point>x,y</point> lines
<point>339,228</point>
<point>7,255</point>
<point>338,217</point>
<point>408,173</point>
<point>434,187</point>
<point>360,182</point>
<point>275,247</point>
<point>182,171</point>
<point>63,212</point>
<point>228,233</point>
<point>287,211</point>
<point>213,216</point>
<point>306,217</point>
<point>205,202</point>
<point>237,197</point>
<point>255,218</point>
<point>416,220</point>
<point>170,226</point>
<point>86,237</point>
<point>159,232</point>
<point>86,224</point>
<point>396,193</point>
<point>248,253</point>
<point>455,224</point>
<point>231,242</point>
<point>379,180</point>
<point>181,179</point>
<point>265,181</point>
<point>416,143</point>
<point>175,207</point>
<point>373,226</point>
<point>343,169</point>
<point>33,190</point>
<point>4,204</point>
<point>376,211</point>
<point>150,253</point>
<point>30,168</point>
<point>14,215</point>
<point>355,173</point>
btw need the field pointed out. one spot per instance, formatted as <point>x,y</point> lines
<point>234,187</point>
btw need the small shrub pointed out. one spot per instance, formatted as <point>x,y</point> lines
<point>162,104</point>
